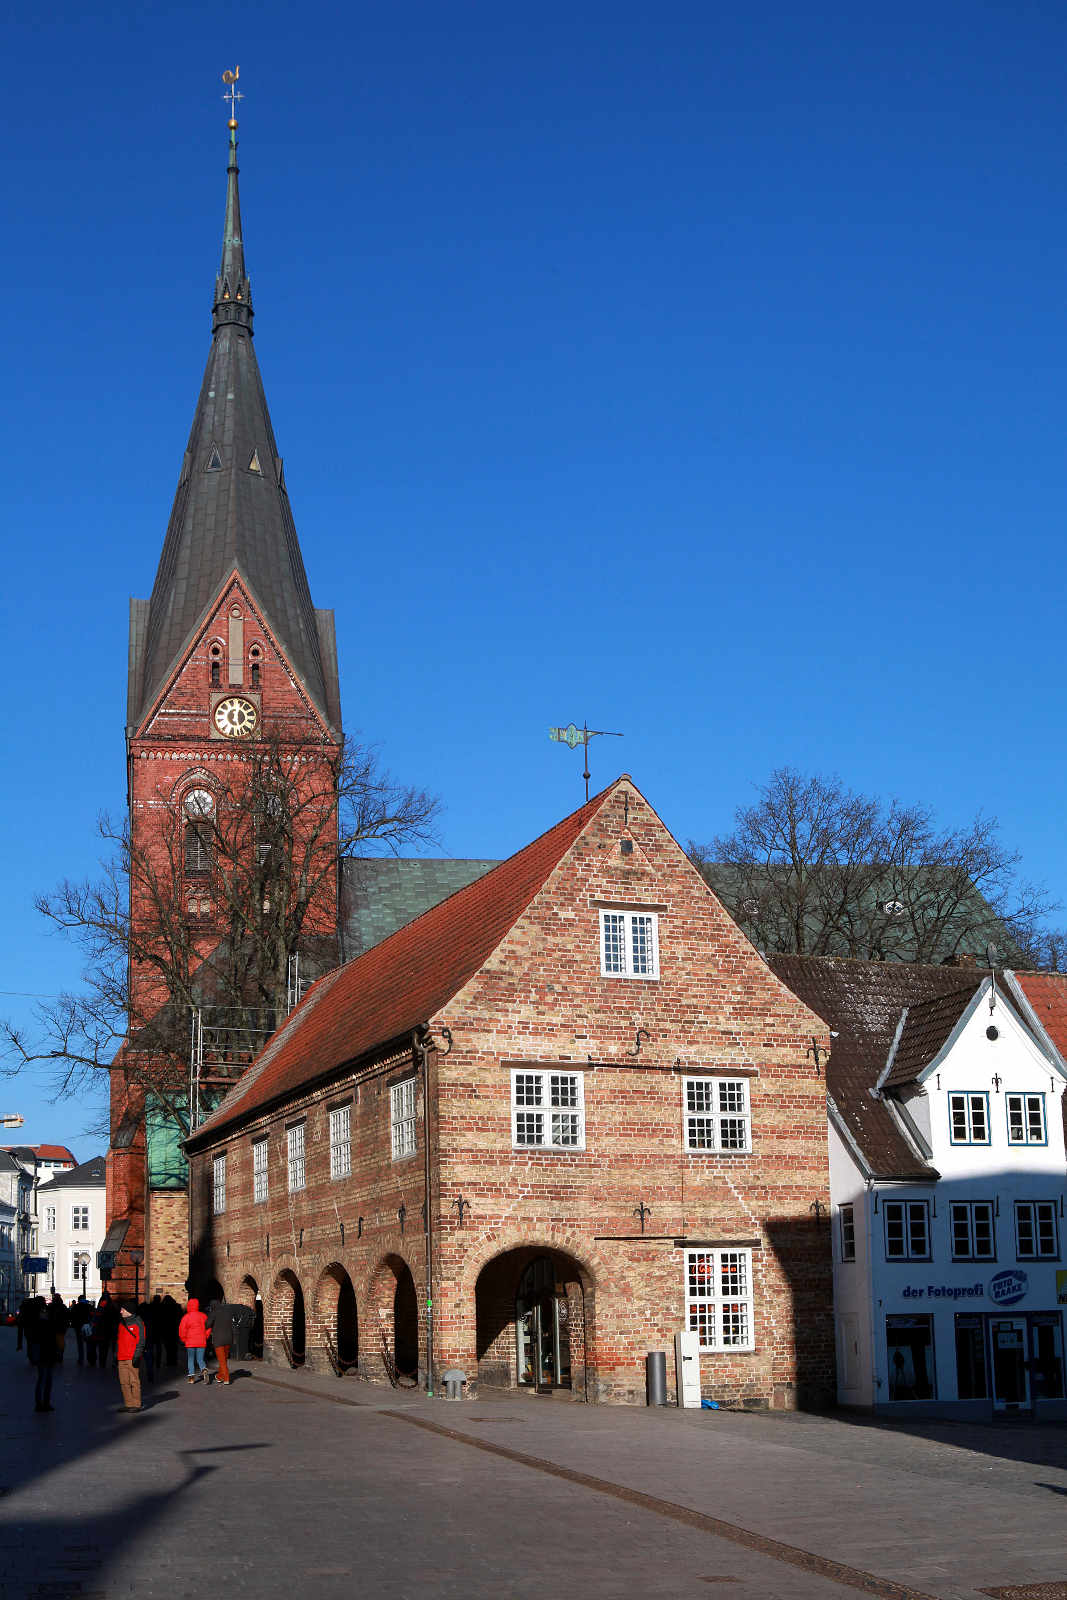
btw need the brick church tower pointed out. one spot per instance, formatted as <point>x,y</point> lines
<point>233,739</point>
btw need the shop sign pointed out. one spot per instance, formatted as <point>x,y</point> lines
<point>944,1291</point>
<point>1008,1288</point>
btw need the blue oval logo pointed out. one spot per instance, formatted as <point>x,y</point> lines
<point>1007,1288</point>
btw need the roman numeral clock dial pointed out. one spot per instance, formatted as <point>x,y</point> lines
<point>236,718</point>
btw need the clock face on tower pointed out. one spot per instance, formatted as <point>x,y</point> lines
<point>235,717</point>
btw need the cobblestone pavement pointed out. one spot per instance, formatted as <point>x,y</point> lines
<point>293,1484</point>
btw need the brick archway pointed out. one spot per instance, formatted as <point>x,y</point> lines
<point>285,1322</point>
<point>248,1295</point>
<point>394,1335</point>
<point>336,1315</point>
<point>546,1338</point>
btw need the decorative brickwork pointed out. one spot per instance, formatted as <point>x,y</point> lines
<point>609,1292</point>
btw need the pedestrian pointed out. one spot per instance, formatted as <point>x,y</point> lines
<point>130,1344</point>
<point>80,1321</point>
<point>155,1329</point>
<point>220,1320</point>
<point>144,1311</point>
<point>101,1331</point>
<point>192,1331</point>
<point>41,1344</point>
<point>61,1322</point>
<point>21,1319</point>
<point>242,1331</point>
<point>171,1317</point>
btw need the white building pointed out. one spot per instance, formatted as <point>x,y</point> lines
<point>71,1209</point>
<point>947,1184</point>
<point>18,1227</point>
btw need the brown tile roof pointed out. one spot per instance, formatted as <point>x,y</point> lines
<point>926,1030</point>
<point>386,992</point>
<point>862,1001</point>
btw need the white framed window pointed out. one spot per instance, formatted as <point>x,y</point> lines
<point>294,1140</point>
<point>629,944</point>
<point>1036,1234</point>
<point>49,1219</point>
<point>79,1219</point>
<point>547,1109</point>
<point>402,1117</point>
<point>717,1114</point>
<point>78,1260</point>
<point>846,1218</point>
<point>259,1170</point>
<point>718,1298</point>
<point>973,1236</point>
<point>1026,1118</point>
<point>968,1118</point>
<point>340,1141</point>
<point>907,1230</point>
<point>218,1184</point>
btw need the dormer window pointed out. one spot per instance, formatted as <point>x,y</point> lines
<point>1026,1118</point>
<point>968,1118</point>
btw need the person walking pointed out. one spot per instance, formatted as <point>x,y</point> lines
<point>192,1331</point>
<point>41,1344</point>
<point>170,1318</point>
<point>130,1342</point>
<point>144,1311</point>
<point>220,1320</point>
<point>80,1321</point>
<point>242,1332</point>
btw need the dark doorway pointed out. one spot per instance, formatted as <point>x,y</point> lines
<point>298,1332</point>
<point>541,1328</point>
<point>405,1325</point>
<point>347,1324</point>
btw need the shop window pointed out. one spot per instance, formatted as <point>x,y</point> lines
<point>629,944</point>
<point>547,1110</point>
<point>1026,1118</point>
<point>717,1114</point>
<point>402,1118</point>
<point>910,1356</point>
<point>1046,1367</point>
<point>259,1170</point>
<point>907,1230</point>
<point>972,1373</point>
<point>846,1218</point>
<point>718,1298</point>
<point>1036,1233</point>
<point>971,1223</point>
<point>294,1138</point>
<point>218,1184</point>
<point>340,1141</point>
<point>968,1118</point>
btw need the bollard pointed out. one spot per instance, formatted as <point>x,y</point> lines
<point>656,1378</point>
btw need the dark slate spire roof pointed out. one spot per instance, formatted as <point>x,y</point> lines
<point>231,510</point>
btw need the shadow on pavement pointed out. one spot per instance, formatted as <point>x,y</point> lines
<point>1040,1443</point>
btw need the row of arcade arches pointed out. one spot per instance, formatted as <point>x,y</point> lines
<point>533,1315</point>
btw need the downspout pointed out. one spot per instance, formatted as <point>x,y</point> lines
<point>422,1047</point>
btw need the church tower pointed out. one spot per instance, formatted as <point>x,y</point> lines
<point>233,739</point>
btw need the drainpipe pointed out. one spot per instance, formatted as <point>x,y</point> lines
<point>422,1047</point>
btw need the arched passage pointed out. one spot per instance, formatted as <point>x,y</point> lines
<point>287,1322</point>
<point>534,1309</point>
<point>335,1309</point>
<point>395,1303</point>
<point>248,1295</point>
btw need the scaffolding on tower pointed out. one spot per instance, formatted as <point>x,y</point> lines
<point>223,1041</point>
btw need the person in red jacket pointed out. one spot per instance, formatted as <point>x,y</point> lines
<point>192,1331</point>
<point>130,1343</point>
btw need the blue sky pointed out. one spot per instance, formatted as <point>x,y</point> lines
<point>696,373</point>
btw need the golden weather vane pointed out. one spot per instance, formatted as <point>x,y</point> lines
<point>233,94</point>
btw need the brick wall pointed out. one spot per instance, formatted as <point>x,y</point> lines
<point>167,1242</point>
<point>541,999</point>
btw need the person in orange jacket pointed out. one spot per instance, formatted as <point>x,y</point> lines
<point>192,1331</point>
<point>129,1347</point>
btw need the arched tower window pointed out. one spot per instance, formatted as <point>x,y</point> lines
<point>215,658</point>
<point>199,809</point>
<point>255,665</point>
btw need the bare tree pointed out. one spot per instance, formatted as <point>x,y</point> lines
<point>235,875</point>
<point>816,868</point>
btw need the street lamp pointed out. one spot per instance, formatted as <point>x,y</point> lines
<point>136,1256</point>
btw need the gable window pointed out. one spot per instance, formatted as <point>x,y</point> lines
<point>259,1170</point>
<point>340,1142</point>
<point>1035,1230</point>
<point>402,1118</point>
<point>847,1232</point>
<point>1026,1118</point>
<point>79,1219</point>
<point>629,944</point>
<point>718,1298</point>
<point>968,1118</point>
<point>907,1230</point>
<point>218,1185</point>
<point>717,1114</point>
<point>294,1139</point>
<point>973,1237</point>
<point>547,1110</point>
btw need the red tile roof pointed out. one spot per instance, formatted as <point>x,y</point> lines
<point>386,992</point>
<point>44,1152</point>
<point>1047,994</point>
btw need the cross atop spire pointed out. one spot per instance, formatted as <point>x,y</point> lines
<point>233,290</point>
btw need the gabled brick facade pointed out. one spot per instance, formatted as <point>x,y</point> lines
<point>593,1240</point>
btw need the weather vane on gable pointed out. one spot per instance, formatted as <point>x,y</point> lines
<point>581,736</point>
<point>233,94</point>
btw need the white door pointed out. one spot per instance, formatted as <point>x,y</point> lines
<point>687,1363</point>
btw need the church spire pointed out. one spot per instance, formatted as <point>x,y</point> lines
<point>233,291</point>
